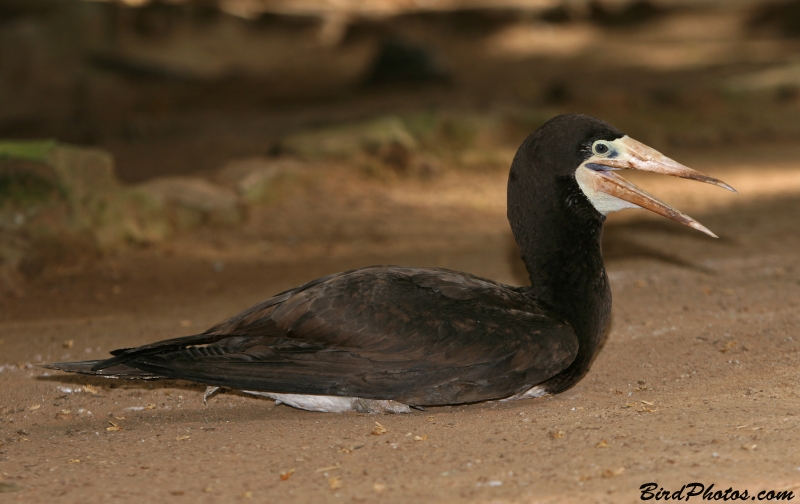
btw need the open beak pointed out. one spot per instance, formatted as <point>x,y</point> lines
<point>597,178</point>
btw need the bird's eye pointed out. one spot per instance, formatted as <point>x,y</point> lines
<point>601,148</point>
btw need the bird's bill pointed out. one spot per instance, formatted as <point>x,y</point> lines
<point>628,153</point>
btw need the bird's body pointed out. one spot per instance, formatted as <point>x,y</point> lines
<point>384,338</point>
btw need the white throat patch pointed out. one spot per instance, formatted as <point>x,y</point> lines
<point>604,203</point>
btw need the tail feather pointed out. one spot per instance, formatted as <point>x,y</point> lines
<point>125,354</point>
<point>122,371</point>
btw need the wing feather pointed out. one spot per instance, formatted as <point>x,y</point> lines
<point>419,336</point>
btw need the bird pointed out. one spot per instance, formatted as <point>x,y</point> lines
<point>386,339</point>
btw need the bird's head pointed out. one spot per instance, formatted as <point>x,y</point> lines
<point>592,152</point>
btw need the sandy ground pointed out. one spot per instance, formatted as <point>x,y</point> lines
<point>697,381</point>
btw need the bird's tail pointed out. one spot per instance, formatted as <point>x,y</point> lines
<point>117,366</point>
<point>122,371</point>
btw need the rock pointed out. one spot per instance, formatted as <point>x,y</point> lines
<point>186,203</point>
<point>87,181</point>
<point>258,179</point>
<point>350,140</point>
<point>60,206</point>
<point>60,189</point>
<point>12,251</point>
<point>43,176</point>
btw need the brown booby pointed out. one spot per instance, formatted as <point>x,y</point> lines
<point>386,338</point>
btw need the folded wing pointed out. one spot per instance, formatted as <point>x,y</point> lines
<point>418,336</point>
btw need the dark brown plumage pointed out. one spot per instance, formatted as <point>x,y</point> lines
<point>426,336</point>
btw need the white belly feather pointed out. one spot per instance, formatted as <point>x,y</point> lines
<point>340,404</point>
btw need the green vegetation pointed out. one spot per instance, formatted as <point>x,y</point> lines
<point>33,150</point>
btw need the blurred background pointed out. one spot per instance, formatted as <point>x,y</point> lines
<point>280,131</point>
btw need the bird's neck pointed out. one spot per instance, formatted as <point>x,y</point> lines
<point>570,277</point>
<point>562,254</point>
